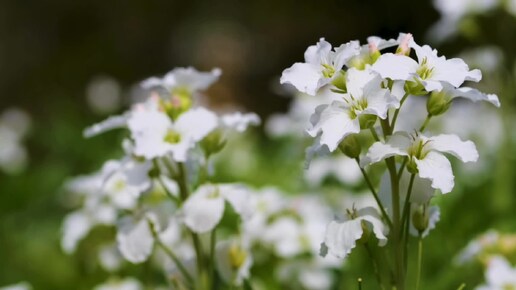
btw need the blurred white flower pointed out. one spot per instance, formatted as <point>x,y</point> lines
<point>110,257</point>
<point>103,94</point>
<point>341,167</point>
<point>14,125</point>
<point>181,80</point>
<point>234,261</point>
<point>18,286</point>
<point>500,275</point>
<point>124,284</point>
<point>203,210</point>
<point>476,246</point>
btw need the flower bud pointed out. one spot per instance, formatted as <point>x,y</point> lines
<point>404,47</point>
<point>350,146</point>
<point>237,256</point>
<point>415,88</point>
<point>420,219</point>
<point>213,142</point>
<point>367,121</point>
<point>438,103</point>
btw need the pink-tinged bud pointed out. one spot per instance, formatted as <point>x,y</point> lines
<point>373,47</point>
<point>404,47</point>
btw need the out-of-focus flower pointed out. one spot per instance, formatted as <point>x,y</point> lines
<point>203,210</point>
<point>103,94</point>
<point>128,283</point>
<point>18,286</point>
<point>500,275</point>
<point>234,261</point>
<point>14,125</point>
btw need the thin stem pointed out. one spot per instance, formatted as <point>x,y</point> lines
<point>375,135</point>
<point>406,207</point>
<point>375,265</point>
<point>169,252</point>
<point>427,120</point>
<point>213,241</point>
<point>168,193</point>
<point>398,250</point>
<point>396,113</point>
<point>359,283</point>
<point>403,164</point>
<point>419,260</point>
<point>375,194</point>
<point>462,286</point>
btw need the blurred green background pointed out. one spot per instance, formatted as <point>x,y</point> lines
<point>51,52</point>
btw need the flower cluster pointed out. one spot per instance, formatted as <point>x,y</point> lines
<point>363,90</point>
<point>160,192</point>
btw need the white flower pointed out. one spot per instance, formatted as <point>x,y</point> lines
<point>341,235</point>
<point>125,284</point>
<point>425,153</point>
<point>500,275</point>
<point>430,70</point>
<point>203,210</point>
<point>477,246</point>
<point>110,257</point>
<point>238,121</point>
<point>365,96</point>
<point>125,180</point>
<point>449,92</point>
<point>156,135</point>
<point>234,261</point>
<point>321,66</point>
<point>181,80</point>
<point>135,238</point>
<point>341,167</point>
<point>18,286</point>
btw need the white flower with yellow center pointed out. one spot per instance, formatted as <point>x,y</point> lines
<point>156,135</point>
<point>234,261</point>
<point>500,275</point>
<point>321,66</point>
<point>365,96</point>
<point>425,155</point>
<point>430,70</point>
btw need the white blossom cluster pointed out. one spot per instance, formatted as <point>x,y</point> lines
<point>159,193</point>
<point>368,86</point>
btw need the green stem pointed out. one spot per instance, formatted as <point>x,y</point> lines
<point>213,241</point>
<point>406,207</point>
<point>419,260</point>
<point>375,265</point>
<point>359,283</point>
<point>375,194</point>
<point>396,113</point>
<point>398,249</point>
<point>427,120</point>
<point>375,135</point>
<point>169,252</point>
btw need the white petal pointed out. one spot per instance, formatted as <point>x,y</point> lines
<point>193,79</point>
<point>396,146</point>
<point>314,53</point>
<point>341,237</point>
<point>112,122</point>
<point>196,123</point>
<point>453,71</point>
<point>379,101</point>
<point>333,123</point>
<point>381,43</point>
<point>476,95</point>
<point>395,67</point>
<point>135,240</point>
<point>464,150</point>
<point>203,210</point>
<point>239,122</point>
<point>305,77</point>
<point>378,229</point>
<point>436,168</point>
<point>239,197</point>
<point>474,75</point>
<point>344,53</point>
<point>357,80</point>
<point>75,227</point>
